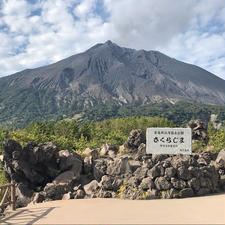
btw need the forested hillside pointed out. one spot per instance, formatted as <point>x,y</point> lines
<point>69,134</point>
<point>180,113</point>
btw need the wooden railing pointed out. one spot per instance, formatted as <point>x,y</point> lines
<point>5,199</point>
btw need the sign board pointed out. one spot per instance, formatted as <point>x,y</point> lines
<point>168,141</point>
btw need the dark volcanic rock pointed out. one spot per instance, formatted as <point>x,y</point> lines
<point>11,146</point>
<point>135,139</point>
<point>39,197</point>
<point>91,188</point>
<point>108,149</point>
<point>171,193</point>
<point>141,151</point>
<point>62,174</point>
<point>94,153</point>
<point>106,182</point>
<point>178,184</point>
<point>221,158</point>
<point>35,165</point>
<point>147,183</point>
<point>152,194</point>
<point>69,161</point>
<point>154,172</point>
<point>194,183</point>
<point>79,194</point>
<point>99,168</point>
<point>183,173</point>
<point>23,195</point>
<point>88,165</point>
<point>162,184</point>
<point>55,191</point>
<point>186,192</point>
<point>170,172</point>
<point>141,172</point>
<point>134,164</point>
<point>118,166</point>
<point>199,131</point>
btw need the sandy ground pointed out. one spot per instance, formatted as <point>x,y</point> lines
<point>198,210</point>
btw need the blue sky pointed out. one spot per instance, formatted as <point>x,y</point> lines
<point>39,32</point>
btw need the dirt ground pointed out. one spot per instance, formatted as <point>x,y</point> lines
<point>197,210</point>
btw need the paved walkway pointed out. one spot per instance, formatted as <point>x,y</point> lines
<point>198,210</point>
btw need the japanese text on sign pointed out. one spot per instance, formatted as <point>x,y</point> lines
<point>168,141</point>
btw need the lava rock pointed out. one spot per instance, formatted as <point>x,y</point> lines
<point>170,172</point>
<point>141,172</point>
<point>199,131</point>
<point>92,152</point>
<point>178,184</point>
<point>154,172</point>
<point>134,165</point>
<point>106,183</point>
<point>91,188</point>
<point>162,184</point>
<point>135,139</point>
<point>221,158</point>
<point>108,149</point>
<point>54,192</point>
<point>23,195</point>
<point>186,192</point>
<point>99,168</point>
<point>194,183</point>
<point>67,196</point>
<point>70,161</point>
<point>152,194</point>
<point>118,166</point>
<point>88,165</point>
<point>79,194</point>
<point>147,183</point>
<point>183,173</point>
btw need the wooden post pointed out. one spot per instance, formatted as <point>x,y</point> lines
<point>4,196</point>
<point>13,196</point>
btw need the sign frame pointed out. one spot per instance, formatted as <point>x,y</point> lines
<point>165,140</point>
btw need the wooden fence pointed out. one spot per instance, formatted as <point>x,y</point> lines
<point>5,199</point>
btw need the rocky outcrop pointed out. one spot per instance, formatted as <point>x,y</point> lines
<point>92,152</point>
<point>108,149</point>
<point>135,139</point>
<point>221,158</point>
<point>40,167</point>
<point>199,131</point>
<point>42,173</point>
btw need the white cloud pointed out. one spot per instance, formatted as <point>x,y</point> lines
<point>84,9</point>
<point>15,7</point>
<point>191,30</point>
<point>202,49</point>
<point>149,24</point>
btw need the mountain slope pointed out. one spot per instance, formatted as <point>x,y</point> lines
<point>105,73</point>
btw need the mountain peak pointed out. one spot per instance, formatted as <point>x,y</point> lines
<point>104,48</point>
<point>109,42</point>
<point>109,73</point>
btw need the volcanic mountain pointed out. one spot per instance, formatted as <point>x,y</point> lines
<point>106,73</point>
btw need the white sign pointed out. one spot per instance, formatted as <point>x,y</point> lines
<point>168,141</point>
